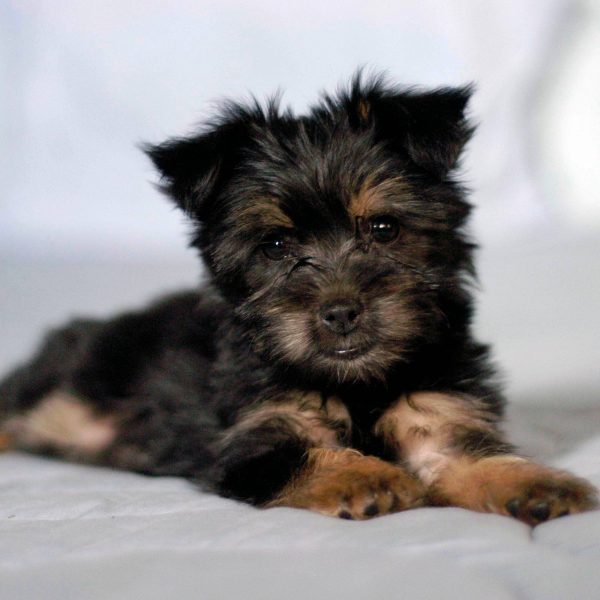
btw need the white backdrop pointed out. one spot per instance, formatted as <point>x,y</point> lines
<point>81,83</point>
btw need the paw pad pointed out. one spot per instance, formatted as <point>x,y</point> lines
<point>548,495</point>
<point>538,511</point>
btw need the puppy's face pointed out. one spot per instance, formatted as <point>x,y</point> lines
<point>335,236</point>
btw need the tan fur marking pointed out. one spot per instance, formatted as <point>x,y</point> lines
<point>307,414</point>
<point>348,484</point>
<point>372,198</point>
<point>421,427</point>
<point>465,480</point>
<point>424,428</point>
<point>336,410</point>
<point>65,423</point>
<point>266,212</point>
<point>364,110</point>
<point>490,484</point>
<point>419,431</point>
<point>6,441</point>
<point>294,337</point>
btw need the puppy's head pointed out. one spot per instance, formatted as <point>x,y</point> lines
<point>336,236</point>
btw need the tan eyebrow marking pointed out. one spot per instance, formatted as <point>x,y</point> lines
<point>265,212</point>
<point>374,197</point>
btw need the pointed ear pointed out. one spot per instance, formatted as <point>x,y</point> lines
<point>193,169</point>
<point>430,127</point>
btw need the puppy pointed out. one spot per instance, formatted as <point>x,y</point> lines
<point>328,363</point>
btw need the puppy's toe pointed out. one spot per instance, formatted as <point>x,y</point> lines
<point>551,495</point>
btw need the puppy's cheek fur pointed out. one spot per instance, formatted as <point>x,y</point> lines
<point>399,321</point>
<point>292,337</point>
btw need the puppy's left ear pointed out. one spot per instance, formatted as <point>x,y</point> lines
<point>193,169</point>
<point>430,127</point>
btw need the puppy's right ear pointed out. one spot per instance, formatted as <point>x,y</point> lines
<point>194,168</point>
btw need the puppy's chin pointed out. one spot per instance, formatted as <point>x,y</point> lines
<point>353,369</point>
<point>349,365</point>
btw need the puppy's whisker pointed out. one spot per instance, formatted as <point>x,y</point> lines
<point>425,275</point>
<point>305,261</point>
<point>259,294</point>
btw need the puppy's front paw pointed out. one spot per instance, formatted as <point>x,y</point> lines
<point>349,485</point>
<point>547,495</point>
<point>516,487</point>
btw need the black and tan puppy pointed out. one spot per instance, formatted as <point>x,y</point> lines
<point>328,363</point>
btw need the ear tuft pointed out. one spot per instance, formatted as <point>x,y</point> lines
<point>194,168</point>
<point>436,127</point>
<point>429,127</point>
<point>188,168</point>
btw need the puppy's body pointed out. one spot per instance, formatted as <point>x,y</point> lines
<point>329,362</point>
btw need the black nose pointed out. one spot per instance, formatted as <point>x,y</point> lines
<point>341,316</point>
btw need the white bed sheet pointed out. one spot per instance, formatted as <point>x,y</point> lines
<point>76,532</point>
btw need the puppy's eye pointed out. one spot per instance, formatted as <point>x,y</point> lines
<point>276,248</point>
<point>384,228</point>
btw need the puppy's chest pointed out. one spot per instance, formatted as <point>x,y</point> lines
<point>365,407</point>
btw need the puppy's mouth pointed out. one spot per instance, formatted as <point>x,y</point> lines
<point>348,353</point>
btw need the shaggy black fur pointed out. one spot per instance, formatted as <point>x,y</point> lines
<point>338,264</point>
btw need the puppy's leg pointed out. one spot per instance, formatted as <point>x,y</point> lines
<point>161,431</point>
<point>452,443</point>
<point>119,393</point>
<point>60,423</point>
<point>40,412</point>
<point>291,453</point>
<point>87,397</point>
<point>259,454</point>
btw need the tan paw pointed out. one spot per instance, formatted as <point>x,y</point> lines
<point>516,487</point>
<point>549,495</point>
<point>349,485</point>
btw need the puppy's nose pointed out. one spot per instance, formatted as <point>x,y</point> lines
<point>341,316</point>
